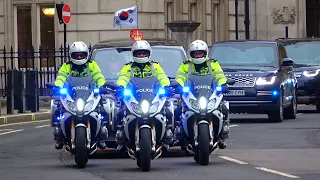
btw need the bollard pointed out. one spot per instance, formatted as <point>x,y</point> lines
<point>19,91</point>
<point>10,91</point>
<point>32,95</point>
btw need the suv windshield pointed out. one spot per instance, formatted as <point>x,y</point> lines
<point>304,52</point>
<point>112,60</point>
<point>244,54</point>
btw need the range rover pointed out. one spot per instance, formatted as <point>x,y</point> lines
<point>306,55</point>
<point>265,81</point>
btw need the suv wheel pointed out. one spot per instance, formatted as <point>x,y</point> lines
<point>277,115</point>
<point>291,111</point>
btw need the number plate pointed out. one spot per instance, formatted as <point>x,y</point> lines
<point>235,93</point>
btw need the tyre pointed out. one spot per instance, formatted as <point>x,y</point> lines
<point>277,115</point>
<point>291,111</point>
<point>81,155</point>
<point>145,150</point>
<point>204,144</point>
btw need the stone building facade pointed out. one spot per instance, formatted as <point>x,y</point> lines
<point>26,23</point>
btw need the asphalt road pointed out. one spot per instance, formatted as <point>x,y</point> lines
<point>256,150</point>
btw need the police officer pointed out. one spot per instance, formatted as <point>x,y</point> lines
<point>79,67</point>
<point>201,66</point>
<point>141,67</point>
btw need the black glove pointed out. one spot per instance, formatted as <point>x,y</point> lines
<point>225,88</point>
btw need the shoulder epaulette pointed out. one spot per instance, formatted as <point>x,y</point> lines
<point>214,60</point>
<point>154,62</point>
<point>128,63</point>
<point>187,62</point>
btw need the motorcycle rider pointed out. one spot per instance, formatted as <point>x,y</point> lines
<point>142,67</point>
<point>79,67</point>
<point>202,65</point>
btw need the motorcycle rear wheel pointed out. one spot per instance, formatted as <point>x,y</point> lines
<point>81,156</point>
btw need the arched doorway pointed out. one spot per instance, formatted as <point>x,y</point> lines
<point>313,18</point>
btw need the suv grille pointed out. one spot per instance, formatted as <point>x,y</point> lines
<point>243,81</point>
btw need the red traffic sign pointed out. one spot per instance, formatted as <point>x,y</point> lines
<point>66,13</point>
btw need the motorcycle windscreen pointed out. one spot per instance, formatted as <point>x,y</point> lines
<point>202,85</point>
<point>144,88</point>
<point>79,87</point>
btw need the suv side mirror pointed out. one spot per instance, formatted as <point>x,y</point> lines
<point>287,62</point>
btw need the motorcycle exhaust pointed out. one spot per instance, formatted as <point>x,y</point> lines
<point>131,153</point>
<point>158,152</point>
<point>215,146</point>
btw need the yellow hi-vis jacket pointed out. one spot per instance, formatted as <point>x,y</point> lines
<point>68,69</point>
<point>217,72</point>
<point>125,73</point>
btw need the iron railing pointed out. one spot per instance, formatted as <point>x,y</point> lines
<point>45,61</point>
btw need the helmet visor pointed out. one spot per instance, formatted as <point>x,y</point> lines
<point>79,55</point>
<point>141,53</point>
<point>197,54</point>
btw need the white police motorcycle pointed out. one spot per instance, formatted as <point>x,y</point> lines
<point>80,116</point>
<point>202,116</point>
<point>144,120</point>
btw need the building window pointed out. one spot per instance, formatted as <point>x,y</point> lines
<point>47,35</point>
<point>24,34</point>
<point>169,15</point>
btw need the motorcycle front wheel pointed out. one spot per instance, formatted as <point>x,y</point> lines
<point>81,157</point>
<point>204,144</point>
<point>144,159</point>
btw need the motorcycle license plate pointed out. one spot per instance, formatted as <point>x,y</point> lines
<point>235,93</point>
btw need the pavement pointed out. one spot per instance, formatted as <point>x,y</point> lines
<point>256,149</point>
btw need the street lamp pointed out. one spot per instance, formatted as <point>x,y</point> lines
<point>48,11</point>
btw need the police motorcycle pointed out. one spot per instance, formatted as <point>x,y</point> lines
<point>146,133</point>
<point>201,118</point>
<point>80,114</point>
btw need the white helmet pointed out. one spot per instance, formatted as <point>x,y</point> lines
<point>138,46</point>
<point>198,45</point>
<point>79,53</point>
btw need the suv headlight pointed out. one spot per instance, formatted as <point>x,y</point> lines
<point>266,80</point>
<point>311,73</point>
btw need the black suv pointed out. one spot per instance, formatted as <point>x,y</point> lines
<point>265,81</point>
<point>306,55</point>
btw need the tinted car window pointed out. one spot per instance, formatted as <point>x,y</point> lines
<point>111,60</point>
<point>304,52</point>
<point>244,54</point>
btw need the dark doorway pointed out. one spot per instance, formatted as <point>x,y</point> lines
<point>313,18</point>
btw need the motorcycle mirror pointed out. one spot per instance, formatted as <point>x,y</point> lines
<point>51,85</point>
<point>231,82</point>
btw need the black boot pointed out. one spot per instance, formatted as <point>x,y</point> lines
<point>103,134</point>
<point>57,133</point>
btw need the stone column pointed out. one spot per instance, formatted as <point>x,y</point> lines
<point>182,31</point>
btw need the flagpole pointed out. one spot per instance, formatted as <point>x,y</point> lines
<point>137,14</point>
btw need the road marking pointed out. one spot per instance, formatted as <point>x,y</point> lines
<point>42,126</point>
<point>233,160</point>
<point>277,172</point>
<point>11,132</point>
<point>28,122</point>
<point>233,125</point>
<point>5,130</point>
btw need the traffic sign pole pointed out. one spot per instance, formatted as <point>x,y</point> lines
<point>64,15</point>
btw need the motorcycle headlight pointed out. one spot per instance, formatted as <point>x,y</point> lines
<point>211,103</point>
<point>71,106</point>
<point>145,106</point>
<point>203,102</point>
<point>266,80</point>
<point>88,106</point>
<point>80,104</point>
<point>154,107</point>
<point>311,73</point>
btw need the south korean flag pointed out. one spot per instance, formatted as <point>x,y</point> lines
<point>126,17</point>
